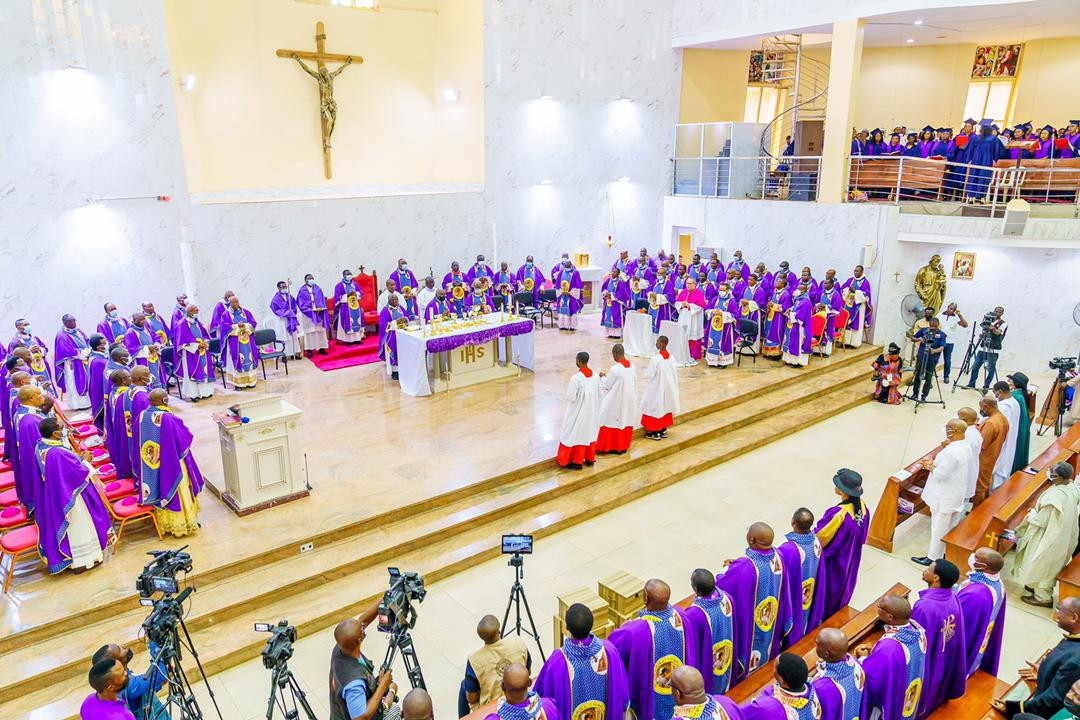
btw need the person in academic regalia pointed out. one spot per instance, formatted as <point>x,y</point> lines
<point>520,703</point>
<point>179,311</point>
<point>95,381</point>
<point>239,354</point>
<point>170,480</point>
<point>568,286</point>
<point>454,276</point>
<point>720,336</point>
<point>692,699</point>
<point>618,404</point>
<point>586,676</point>
<point>1047,536</point>
<point>1018,382</point>
<point>876,146</point>
<point>982,602</point>
<point>314,317</point>
<point>348,312</point>
<point>404,278</point>
<point>983,150</point>
<point>860,143</point>
<point>712,631</point>
<point>938,612</point>
<point>581,418</point>
<point>940,148</point>
<point>439,307</point>
<point>616,301</point>
<point>895,667</point>
<point>193,366</point>
<point>842,532</point>
<point>1055,674</point>
<point>765,590</point>
<point>858,301</point>
<point>118,430</point>
<point>830,301</point>
<point>135,400</point>
<point>790,697</point>
<point>530,279</point>
<point>113,326</point>
<point>926,142</point>
<point>73,522</point>
<point>660,402</point>
<point>285,311</point>
<point>1072,138</point>
<point>391,319</point>
<point>838,678</point>
<point>895,146</point>
<point>145,348</point>
<point>71,352</point>
<point>912,147</point>
<point>651,648</point>
<point>798,338</point>
<point>690,302</point>
<point>803,543</point>
<point>1047,148</point>
<point>29,412</point>
<point>775,322</point>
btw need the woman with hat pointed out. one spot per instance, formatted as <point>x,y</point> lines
<point>842,532</point>
<point>888,372</point>
<point>1018,381</point>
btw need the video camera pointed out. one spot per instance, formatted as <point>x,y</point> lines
<point>279,647</point>
<point>396,610</point>
<point>1063,364</point>
<point>160,626</point>
<point>159,575</point>
<point>988,319</point>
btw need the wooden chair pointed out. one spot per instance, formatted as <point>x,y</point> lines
<point>19,543</point>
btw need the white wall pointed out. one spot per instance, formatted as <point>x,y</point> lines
<point>111,130</point>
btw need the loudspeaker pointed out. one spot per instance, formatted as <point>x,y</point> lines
<point>1016,215</point>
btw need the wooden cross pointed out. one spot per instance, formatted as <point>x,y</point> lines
<point>325,78</point>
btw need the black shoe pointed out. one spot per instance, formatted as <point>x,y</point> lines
<point>922,561</point>
<point>195,400</point>
<point>323,351</point>
<point>573,466</point>
<point>394,375</point>
<point>663,433</point>
<point>309,353</point>
<point>590,462</point>
<point>946,379</point>
<point>653,436</point>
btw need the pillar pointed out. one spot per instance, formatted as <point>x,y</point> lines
<point>844,62</point>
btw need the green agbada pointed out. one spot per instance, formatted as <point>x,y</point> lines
<point>1023,435</point>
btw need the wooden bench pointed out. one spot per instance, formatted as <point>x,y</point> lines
<point>1039,177</point>
<point>887,515</point>
<point>876,173</point>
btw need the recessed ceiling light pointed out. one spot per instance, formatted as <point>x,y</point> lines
<point>451,95</point>
<point>918,22</point>
<point>911,40</point>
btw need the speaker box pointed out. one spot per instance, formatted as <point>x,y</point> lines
<point>1016,215</point>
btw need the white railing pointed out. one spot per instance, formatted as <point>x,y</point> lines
<point>756,176</point>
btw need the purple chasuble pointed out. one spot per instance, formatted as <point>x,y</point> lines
<point>165,452</point>
<point>808,550</point>
<point>982,603</point>
<point>68,479</point>
<point>566,280</point>
<point>863,285</point>
<point>799,340</point>
<point>238,350</point>
<point>720,335</point>
<point>135,339</point>
<point>712,632</point>
<point>650,650</point>
<point>842,533</point>
<point>841,689</point>
<point>347,316</point>
<point>534,708</point>
<point>389,318</point>
<point>776,320</point>
<point>118,433</point>
<point>894,671</point>
<point>66,349</point>
<point>938,611</point>
<point>136,400</point>
<point>193,362</point>
<point>585,676</point>
<point>776,703</point>
<point>113,328</point>
<point>616,296</point>
<point>311,301</point>
<point>530,280</point>
<point>96,388</point>
<point>284,306</point>
<point>27,473</point>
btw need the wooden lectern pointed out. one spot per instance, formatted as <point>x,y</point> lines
<point>262,455</point>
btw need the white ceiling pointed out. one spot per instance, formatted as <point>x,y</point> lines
<point>989,24</point>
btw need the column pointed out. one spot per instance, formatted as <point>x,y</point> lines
<point>844,62</point>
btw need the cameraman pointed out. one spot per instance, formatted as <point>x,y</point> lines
<point>929,345</point>
<point>951,322</point>
<point>993,332</point>
<point>138,687</point>
<point>355,693</point>
<point>484,668</point>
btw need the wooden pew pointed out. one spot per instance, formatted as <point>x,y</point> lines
<point>881,173</point>
<point>1069,579</point>
<point>887,515</point>
<point>1005,508</point>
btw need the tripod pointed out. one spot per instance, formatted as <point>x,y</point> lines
<point>400,639</point>
<point>282,679</point>
<point>969,355</point>
<point>917,388</point>
<point>167,662</point>
<point>517,597</point>
<point>1058,390</point>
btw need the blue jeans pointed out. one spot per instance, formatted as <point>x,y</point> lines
<point>947,356</point>
<point>990,359</point>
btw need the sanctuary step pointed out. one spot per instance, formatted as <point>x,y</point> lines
<point>346,570</point>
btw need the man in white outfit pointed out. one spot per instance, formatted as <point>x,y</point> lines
<point>425,296</point>
<point>945,488</point>
<point>974,441</point>
<point>660,403</point>
<point>581,419</point>
<point>618,404</point>
<point>1010,408</point>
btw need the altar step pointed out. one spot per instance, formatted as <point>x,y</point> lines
<point>47,675</point>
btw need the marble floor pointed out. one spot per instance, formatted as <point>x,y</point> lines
<point>651,537</point>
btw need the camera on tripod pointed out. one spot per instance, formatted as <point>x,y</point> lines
<point>161,625</point>
<point>1063,364</point>
<point>988,319</point>
<point>159,575</point>
<point>396,609</point>
<point>279,647</point>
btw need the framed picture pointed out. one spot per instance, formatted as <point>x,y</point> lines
<point>1008,58</point>
<point>963,266</point>
<point>755,71</point>
<point>983,66</point>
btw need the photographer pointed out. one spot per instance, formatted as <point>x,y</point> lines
<point>138,687</point>
<point>929,345</point>
<point>993,328</point>
<point>355,693</point>
<point>951,322</point>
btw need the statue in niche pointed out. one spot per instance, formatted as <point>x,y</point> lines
<point>930,284</point>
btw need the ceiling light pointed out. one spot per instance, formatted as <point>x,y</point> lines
<point>918,22</point>
<point>624,178</point>
<point>189,82</point>
<point>626,99</point>
<point>451,95</point>
<point>545,181</point>
<point>911,40</point>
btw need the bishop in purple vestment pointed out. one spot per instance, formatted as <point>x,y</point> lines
<point>651,648</point>
<point>842,533</point>
<point>112,326</point>
<point>71,352</point>
<point>585,675</point>
<point>982,603</point>
<point>938,611</point>
<point>895,666</point>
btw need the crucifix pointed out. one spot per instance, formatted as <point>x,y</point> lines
<point>325,78</point>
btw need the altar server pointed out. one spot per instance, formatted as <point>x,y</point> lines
<point>581,418</point>
<point>348,313</point>
<point>194,368</point>
<point>938,612</point>
<point>71,353</point>
<point>568,287</point>
<point>286,319</point>
<point>314,317</point>
<point>618,404</point>
<point>859,304</point>
<point>660,403</point>
<point>170,479</point>
<point>712,631</point>
<point>982,601</point>
<point>239,354</point>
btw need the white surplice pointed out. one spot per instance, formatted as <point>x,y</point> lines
<point>618,404</point>
<point>581,419</point>
<point>662,390</point>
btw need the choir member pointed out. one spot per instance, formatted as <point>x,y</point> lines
<point>803,543</point>
<point>170,479</point>
<point>1046,537</point>
<point>859,304</point>
<point>239,354</point>
<point>895,667</point>
<point>113,326</point>
<point>586,675</point>
<point>983,150</point>
<point>938,612</point>
<point>618,404</point>
<point>314,317</point>
<point>839,679</point>
<point>798,338</point>
<point>581,418</point>
<point>712,631</point>
<point>982,602</point>
<point>71,353</point>
<point>285,311</point>
<point>567,282</point>
<point>145,347</point>
<point>660,403</point>
<point>193,366</point>
<point>842,532</point>
<point>945,489</point>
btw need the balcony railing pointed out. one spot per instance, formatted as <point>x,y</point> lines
<point>784,178</point>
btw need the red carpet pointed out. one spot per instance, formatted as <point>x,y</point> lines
<point>342,356</point>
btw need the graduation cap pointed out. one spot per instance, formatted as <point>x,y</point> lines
<point>864,132</point>
<point>944,130</point>
<point>995,127</point>
<point>928,129</point>
<point>876,131</point>
<point>1047,128</point>
<point>912,136</point>
<point>969,121</point>
<point>894,135</point>
<point>1025,126</point>
<point>985,123</point>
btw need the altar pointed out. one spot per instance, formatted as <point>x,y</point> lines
<point>459,353</point>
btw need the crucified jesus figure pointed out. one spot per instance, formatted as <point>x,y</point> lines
<point>327,104</point>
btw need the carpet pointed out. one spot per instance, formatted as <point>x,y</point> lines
<point>340,355</point>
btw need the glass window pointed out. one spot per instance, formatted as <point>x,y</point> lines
<point>990,100</point>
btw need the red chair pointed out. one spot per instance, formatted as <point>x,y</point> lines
<point>128,510</point>
<point>119,489</point>
<point>9,498</point>
<point>369,284</point>
<point>5,465</point>
<point>18,543</point>
<point>817,332</point>
<point>840,328</point>
<point>7,480</point>
<point>13,517</point>
<point>84,431</point>
<point>91,443</point>
<point>107,472</point>
<point>99,456</point>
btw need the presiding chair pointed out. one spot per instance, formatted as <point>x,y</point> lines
<point>267,337</point>
<point>548,299</point>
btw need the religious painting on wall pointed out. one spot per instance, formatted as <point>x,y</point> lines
<point>983,67</point>
<point>1008,58</point>
<point>963,266</point>
<point>764,67</point>
<point>757,61</point>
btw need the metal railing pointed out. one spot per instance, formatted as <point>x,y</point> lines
<point>804,82</point>
<point>910,179</point>
<point>757,177</point>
